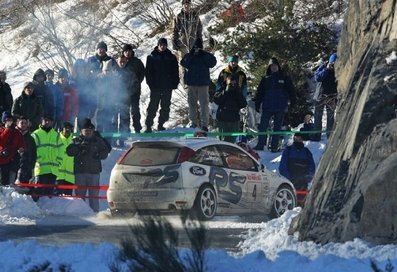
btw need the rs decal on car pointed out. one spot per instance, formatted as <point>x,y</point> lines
<point>228,186</point>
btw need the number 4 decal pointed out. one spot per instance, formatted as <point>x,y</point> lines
<point>254,192</point>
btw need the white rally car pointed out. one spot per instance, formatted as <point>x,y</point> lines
<point>206,176</point>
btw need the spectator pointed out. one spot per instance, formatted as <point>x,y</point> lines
<point>47,163</point>
<point>70,97</point>
<point>233,69</point>
<point>66,163</point>
<point>121,107</point>
<point>229,101</point>
<point>44,93</point>
<point>162,77</point>
<point>88,150</point>
<point>136,70</point>
<point>28,105</point>
<point>96,67</point>
<point>297,163</point>
<point>275,90</point>
<point>5,93</point>
<point>58,98</point>
<point>187,29</point>
<point>307,126</point>
<point>242,142</point>
<point>11,142</point>
<point>197,77</point>
<point>326,96</point>
<point>23,163</point>
<point>82,82</point>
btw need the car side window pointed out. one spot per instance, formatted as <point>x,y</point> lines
<point>236,159</point>
<point>207,155</point>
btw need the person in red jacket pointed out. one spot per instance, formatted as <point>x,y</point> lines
<point>11,142</point>
<point>70,97</point>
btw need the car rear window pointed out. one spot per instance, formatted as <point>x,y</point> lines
<point>151,155</point>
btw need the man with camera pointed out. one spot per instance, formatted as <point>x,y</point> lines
<point>11,142</point>
<point>88,150</point>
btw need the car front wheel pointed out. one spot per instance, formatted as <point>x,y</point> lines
<point>285,200</point>
<point>205,204</point>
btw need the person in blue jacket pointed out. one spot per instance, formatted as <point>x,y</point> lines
<point>275,93</point>
<point>297,163</point>
<point>326,96</point>
<point>197,77</point>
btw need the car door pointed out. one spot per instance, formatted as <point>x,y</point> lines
<point>244,180</point>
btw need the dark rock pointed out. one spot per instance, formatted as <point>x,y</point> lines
<point>355,187</point>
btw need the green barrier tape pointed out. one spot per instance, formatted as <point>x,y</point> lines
<point>209,134</point>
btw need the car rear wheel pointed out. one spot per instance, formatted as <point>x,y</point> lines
<point>205,204</point>
<point>285,200</point>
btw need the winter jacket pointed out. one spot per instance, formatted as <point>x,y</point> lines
<point>274,92</point>
<point>58,99</point>
<point>187,29</point>
<point>10,141</point>
<point>162,70</point>
<point>229,102</point>
<point>95,63</point>
<point>242,79</point>
<point>5,97</point>
<point>23,164</point>
<point>326,78</point>
<point>136,70</point>
<point>197,67</point>
<point>47,161</point>
<point>66,162</point>
<point>30,107</point>
<point>71,102</point>
<point>44,93</point>
<point>87,153</point>
<point>297,165</point>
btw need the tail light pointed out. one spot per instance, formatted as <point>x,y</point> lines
<point>122,157</point>
<point>185,154</point>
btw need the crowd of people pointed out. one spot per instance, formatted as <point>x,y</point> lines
<point>102,94</point>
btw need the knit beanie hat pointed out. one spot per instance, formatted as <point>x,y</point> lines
<point>332,58</point>
<point>86,124</point>
<point>162,41</point>
<point>49,72</point>
<point>63,73</point>
<point>127,47</point>
<point>273,61</point>
<point>67,125</point>
<point>102,45</point>
<point>28,84</point>
<point>5,115</point>
<point>232,58</point>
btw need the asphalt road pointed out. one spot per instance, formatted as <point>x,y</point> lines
<point>223,232</point>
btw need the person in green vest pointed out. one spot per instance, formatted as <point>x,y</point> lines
<point>47,162</point>
<point>66,166</point>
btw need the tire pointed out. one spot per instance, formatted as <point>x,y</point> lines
<point>284,200</point>
<point>205,204</point>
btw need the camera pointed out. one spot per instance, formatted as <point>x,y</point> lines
<point>4,153</point>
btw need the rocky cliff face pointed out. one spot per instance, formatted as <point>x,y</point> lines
<point>355,188</point>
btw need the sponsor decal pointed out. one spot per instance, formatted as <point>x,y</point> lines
<point>254,177</point>
<point>197,171</point>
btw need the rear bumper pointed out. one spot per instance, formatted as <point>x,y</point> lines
<point>159,199</point>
